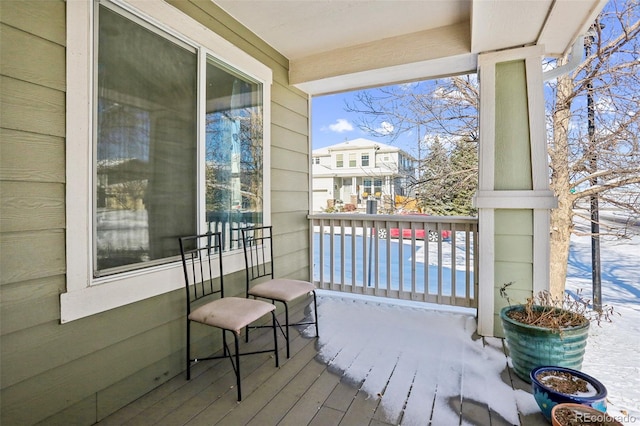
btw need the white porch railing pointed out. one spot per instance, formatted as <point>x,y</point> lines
<point>421,258</point>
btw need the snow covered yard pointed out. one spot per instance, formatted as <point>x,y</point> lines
<point>613,349</point>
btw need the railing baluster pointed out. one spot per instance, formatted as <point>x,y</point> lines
<point>426,261</point>
<point>376,258</point>
<point>388,261</point>
<point>439,243</point>
<point>365,258</point>
<point>454,262</point>
<point>467,264</point>
<point>400,262</point>
<point>321,254</point>
<point>353,256</point>
<point>332,260</point>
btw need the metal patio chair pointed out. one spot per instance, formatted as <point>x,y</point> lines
<point>207,304</point>
<point>257,243</point>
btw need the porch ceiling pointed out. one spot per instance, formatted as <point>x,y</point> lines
<point>338,45</point>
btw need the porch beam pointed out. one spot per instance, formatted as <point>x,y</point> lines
<point>425,54</point>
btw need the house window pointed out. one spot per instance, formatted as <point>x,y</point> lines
<point>364,160</point>
<point>179,136</point>
<point>233,151</point>
<point>316,160</point>
<point>147,143</point>
<point>377,187</point>
<point>339,160</point>
<point>352,160</point>
<point>367,187</point>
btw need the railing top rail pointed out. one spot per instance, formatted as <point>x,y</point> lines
<point>393,217</point>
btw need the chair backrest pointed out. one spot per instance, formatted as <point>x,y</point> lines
<point>202,265</point>
<point>258,252</point>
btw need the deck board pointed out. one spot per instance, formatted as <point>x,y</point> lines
<point>342,395</point>
<point>361,410</point>
<point>308,389</point>
<point>327,416</point>
<point>399,384</point>
<point>310,404</point>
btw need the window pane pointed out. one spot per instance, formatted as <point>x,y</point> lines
<point>146,140</point>
<point>234,193</point>
<point>377,190</point>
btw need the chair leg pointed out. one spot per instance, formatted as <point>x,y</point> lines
<point>235,336</point>
<point>188,350</point>
<point>286,326</point>
<point>224,343</point>
<point>315,311</point>
<point>275,338</point>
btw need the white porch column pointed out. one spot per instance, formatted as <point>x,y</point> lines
<point>513,198</point>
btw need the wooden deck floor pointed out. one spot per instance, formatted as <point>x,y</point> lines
<point>302,391</point>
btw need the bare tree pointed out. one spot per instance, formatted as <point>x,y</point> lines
<point>603,161</point>
<point>442,115</point>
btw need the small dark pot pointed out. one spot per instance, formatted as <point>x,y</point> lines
<point>547,397</point>
<point>531,346</point>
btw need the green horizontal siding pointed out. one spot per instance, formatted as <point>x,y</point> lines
<point>44,65</point>
<point>28,206</point>
<point>45,162</point>
<point>80,372</point>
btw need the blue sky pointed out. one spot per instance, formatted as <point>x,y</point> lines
<point>332,124</point>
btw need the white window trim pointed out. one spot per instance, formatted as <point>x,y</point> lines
<point>86,295</point>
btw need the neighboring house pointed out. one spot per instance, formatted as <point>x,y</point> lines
<point>353,171</point>
<point>125,123</point>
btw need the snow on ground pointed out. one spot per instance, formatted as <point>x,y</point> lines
<point>613,349</point>
<point>364,337</point>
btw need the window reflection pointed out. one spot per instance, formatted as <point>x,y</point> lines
<point>233,152</point>
<point>146,139</point>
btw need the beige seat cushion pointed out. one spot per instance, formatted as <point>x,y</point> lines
<point>282,289</point>
<point>231,313</point>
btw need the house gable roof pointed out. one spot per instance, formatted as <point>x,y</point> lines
<point>359,143</point>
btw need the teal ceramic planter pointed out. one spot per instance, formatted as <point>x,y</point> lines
<point>532,346</point>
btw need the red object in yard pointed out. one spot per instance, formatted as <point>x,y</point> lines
<point>420,234</point>
<point>407,233</point>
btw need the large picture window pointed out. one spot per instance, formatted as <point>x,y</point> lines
<point>167,134</point>
<point>147,168</point>
<point>146,144</point>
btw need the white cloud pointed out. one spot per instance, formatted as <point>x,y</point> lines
<point>605,104</point>
<point>341,125</point>
<point>385,128</point>
<point>408,87</point>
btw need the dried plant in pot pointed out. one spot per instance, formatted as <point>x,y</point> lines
<point>571,414</point>
<point>548,331</point>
